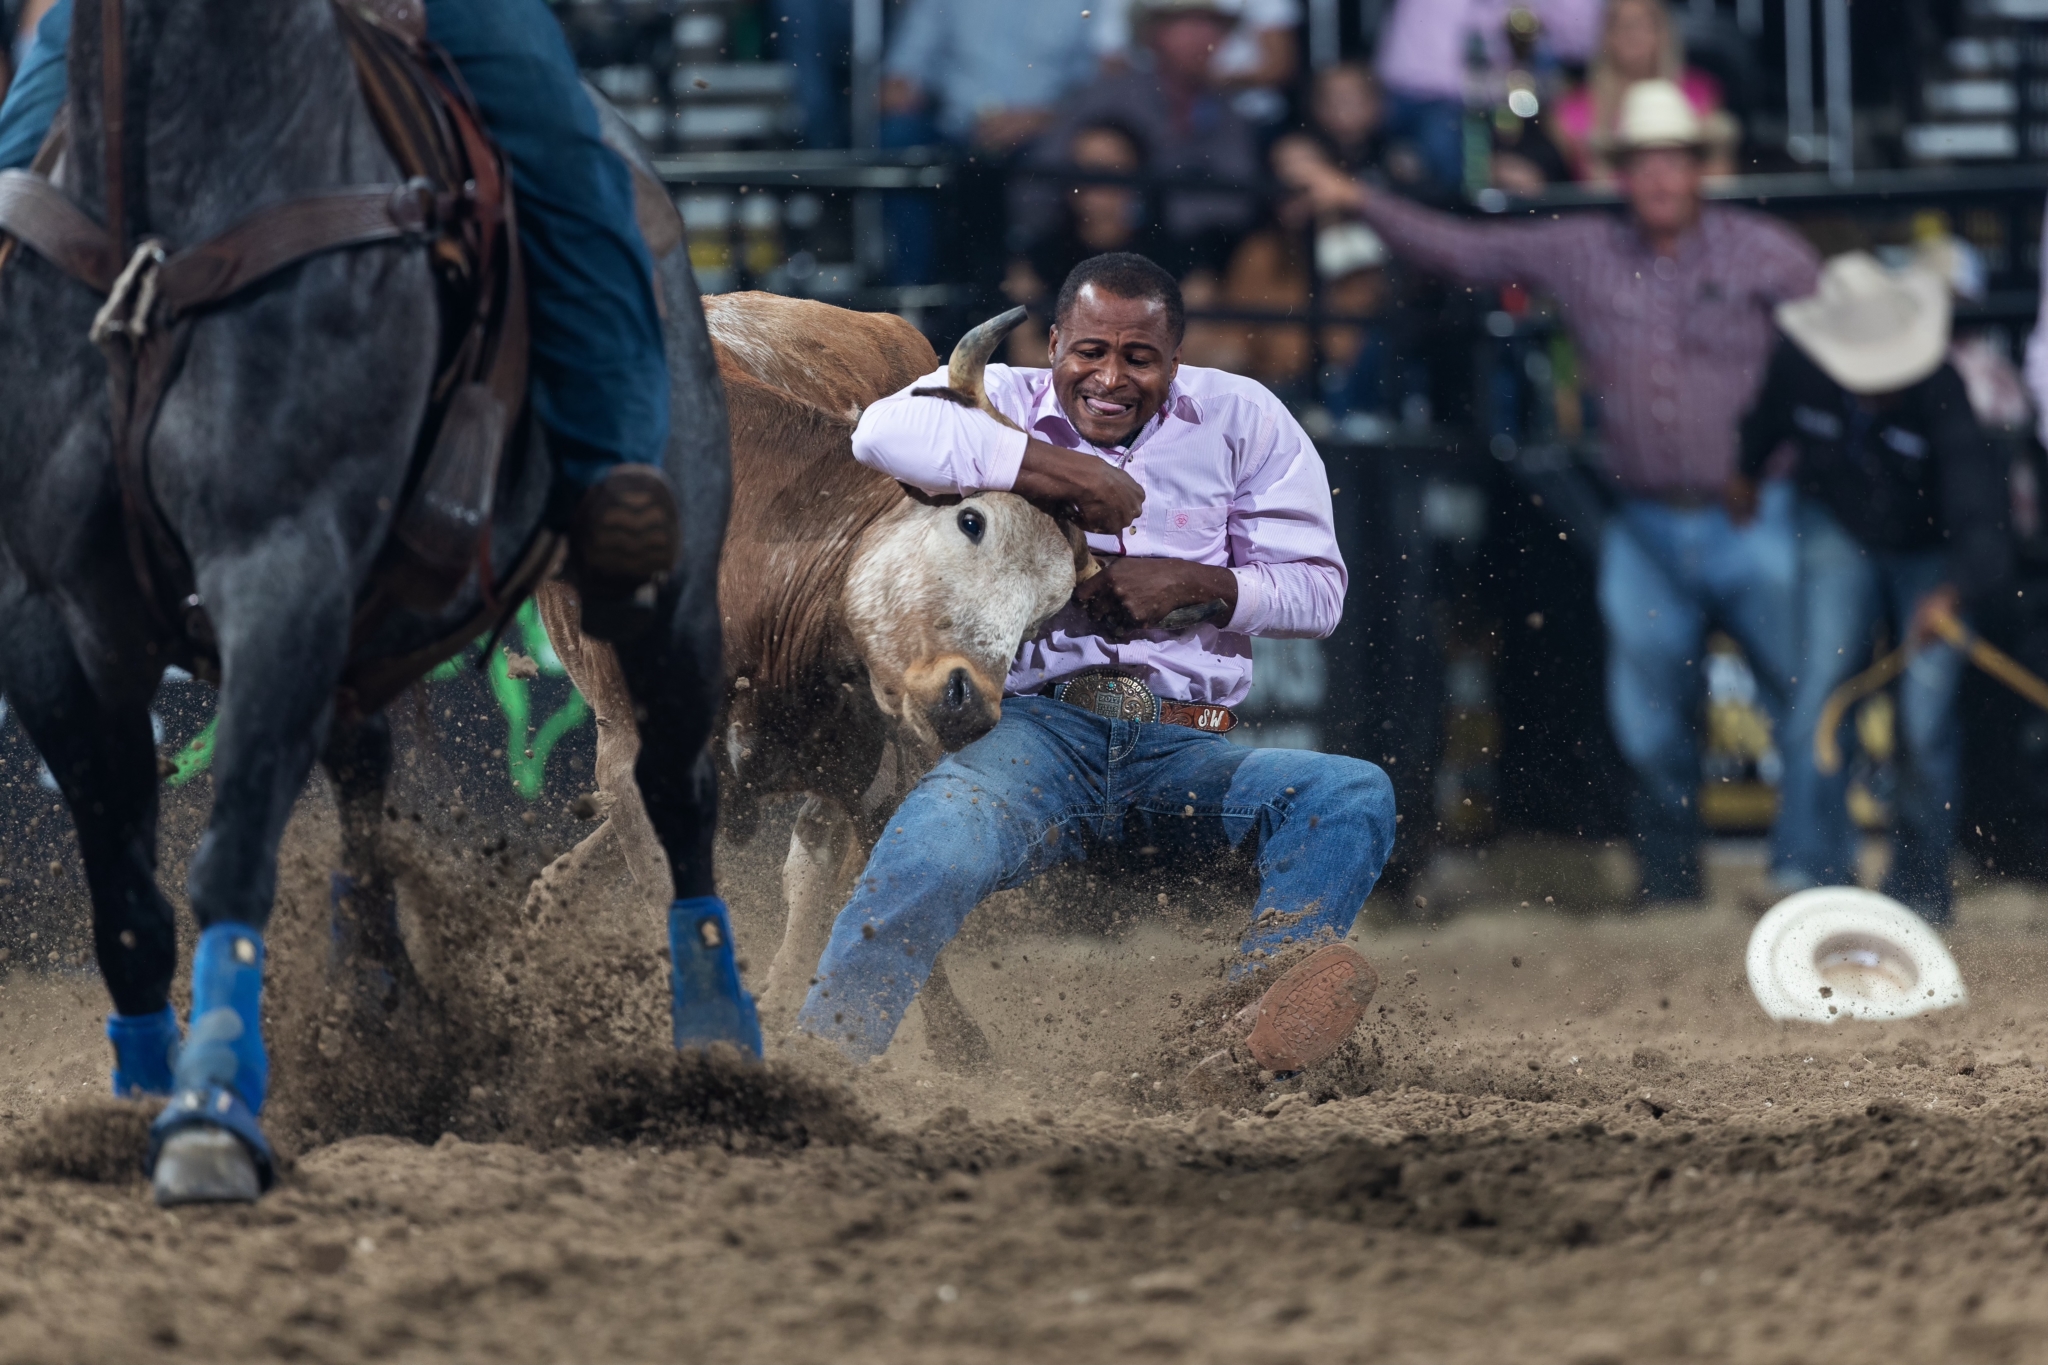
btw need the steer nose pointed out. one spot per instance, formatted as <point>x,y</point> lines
<point>959,718</point>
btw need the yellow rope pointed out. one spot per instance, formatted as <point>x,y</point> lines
<point>1827,754</point>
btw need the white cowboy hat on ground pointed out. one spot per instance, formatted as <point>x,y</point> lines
<point>1871,329</point>
<point>1840,952</point>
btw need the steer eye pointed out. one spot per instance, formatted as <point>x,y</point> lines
<point>972,524</point>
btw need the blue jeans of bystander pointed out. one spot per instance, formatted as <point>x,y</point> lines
<point>1668,573</point>
<point>1847,592</point>
<point>1052,780</point>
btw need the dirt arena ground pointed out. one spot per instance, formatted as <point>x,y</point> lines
<point>1562,1137</point>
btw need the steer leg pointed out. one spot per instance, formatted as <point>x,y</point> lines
<point>825,855</point>
<point>594,669</point>
<point>827,850</point>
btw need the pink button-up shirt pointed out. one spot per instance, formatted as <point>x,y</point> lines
<point>1230,478</point>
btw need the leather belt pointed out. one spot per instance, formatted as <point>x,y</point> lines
<point>1117,696</point>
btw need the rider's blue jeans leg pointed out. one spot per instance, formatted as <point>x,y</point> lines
<point>600,375</point>
<point>1052,779</point>
<point>37,91</point>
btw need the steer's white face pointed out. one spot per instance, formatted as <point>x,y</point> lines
<point>940,598</point>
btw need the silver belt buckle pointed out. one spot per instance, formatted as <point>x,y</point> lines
<point>1112,696</point>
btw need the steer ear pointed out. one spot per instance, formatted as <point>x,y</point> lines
<point>1086,565</point>
<point>971,357</point>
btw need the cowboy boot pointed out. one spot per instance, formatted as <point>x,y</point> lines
<point>624,538</point>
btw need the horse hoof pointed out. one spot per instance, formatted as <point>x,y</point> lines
<point>205,1165</point>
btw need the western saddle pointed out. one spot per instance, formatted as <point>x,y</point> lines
<point>456,200</point>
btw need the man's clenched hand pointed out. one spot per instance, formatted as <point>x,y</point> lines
<point>1131,595</point>
<point>1093,494</point>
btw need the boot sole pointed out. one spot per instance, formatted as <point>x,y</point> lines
<point>1308,1013</point>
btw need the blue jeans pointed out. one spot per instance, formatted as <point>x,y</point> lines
<point>817,39</point>
<point>1435,127</point>
<point>600,375</point>
<point>1667,574</point>
<point>1050,782</point>
<point>1848,590</point>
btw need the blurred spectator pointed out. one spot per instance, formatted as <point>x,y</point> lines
<point>1425,57</point>
<point>1671,309</point>
<point>1639,42</point>
<point>1902,518</point>
<point>980,75</point>
<point>1347,118</point>
<point>816,37</point>
<point>1256,62</point>
<point>1178,112</point>
<point>987,73</point>
<point>2037,357</point>
<point>1093,219</point>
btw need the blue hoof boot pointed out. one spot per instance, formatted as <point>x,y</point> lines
<point>206,1146</point>
<point>709,1004</point>
<point>145,1051</point>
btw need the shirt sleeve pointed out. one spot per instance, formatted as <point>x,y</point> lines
<point>1283,537</point>
<point>936,445</point>
<point>1768,421</point>
<point>1784,264</point>
<point>1534,254</point>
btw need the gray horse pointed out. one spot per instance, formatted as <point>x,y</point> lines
<point>278,454</point>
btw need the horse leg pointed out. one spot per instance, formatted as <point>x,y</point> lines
<point>104,759</point>
<point>366,958</point>
<point>282,619</point>
<point>676,680</point>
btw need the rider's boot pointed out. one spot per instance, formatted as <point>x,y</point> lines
<point>145,1051</point>
<point>624,539</point>
<point>708,1003</point>
<point>206,1146</point>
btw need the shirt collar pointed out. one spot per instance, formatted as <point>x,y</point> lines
<point>1050,420</point>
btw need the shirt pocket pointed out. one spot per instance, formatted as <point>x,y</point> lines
<point>1196,534</point>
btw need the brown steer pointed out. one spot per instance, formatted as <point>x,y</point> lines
<point>866,632</point>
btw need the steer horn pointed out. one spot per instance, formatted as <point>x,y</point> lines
<point>970,359</point>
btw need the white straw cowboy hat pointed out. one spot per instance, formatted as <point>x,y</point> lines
<point>1871,329</point>
<point>1656,113</point>
<point>1840,952</point>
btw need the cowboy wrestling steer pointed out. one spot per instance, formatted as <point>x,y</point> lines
<point>866,632</point>
<point>1212,510</point>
